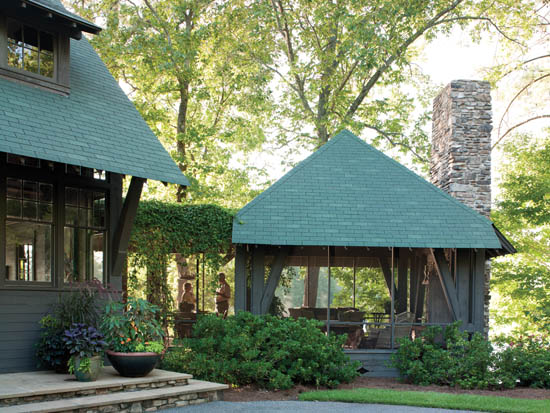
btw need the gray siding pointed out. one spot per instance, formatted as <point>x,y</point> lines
<point>20,312</point>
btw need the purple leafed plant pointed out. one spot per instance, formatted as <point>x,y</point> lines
<point>84,341</point>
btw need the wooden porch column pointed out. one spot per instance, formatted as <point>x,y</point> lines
<point>402,280</point>
<point>121,237</point>
<point>421,289</point>
<point>115,212</point>
<point>464,277</point>
<point>241,258</point>
<point>258,279</point>
<point>311,286</point>
<point>479,289</point>
<point>414,282</point>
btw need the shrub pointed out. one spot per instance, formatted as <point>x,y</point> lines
<point>451,359</point>
<point>524,361</point>
<point>129,327</point>
<point>51,352</point>
<point>272,352</point>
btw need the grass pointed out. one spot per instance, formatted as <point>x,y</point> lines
<point>430,399</point>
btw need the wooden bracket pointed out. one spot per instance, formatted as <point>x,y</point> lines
<point>386,270</point>
<point>447,282</point>
<point>121,237</point>
<point>273,280</point>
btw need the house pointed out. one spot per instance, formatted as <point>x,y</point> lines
<point>349,205</point>
<point>68,136</point>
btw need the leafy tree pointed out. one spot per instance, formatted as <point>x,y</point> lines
<point>522,77</point>
<point>349,63</point>
<point>182,64</point>
<point>522,281</point>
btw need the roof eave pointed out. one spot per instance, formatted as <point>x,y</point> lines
<point>506,246</point>
<point>79,24</point>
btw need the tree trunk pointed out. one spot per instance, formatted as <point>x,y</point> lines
<point>322,136</point>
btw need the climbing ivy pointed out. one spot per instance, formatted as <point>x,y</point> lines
<point>162,229</point>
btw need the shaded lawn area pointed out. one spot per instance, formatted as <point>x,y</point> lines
<point>430,399</point>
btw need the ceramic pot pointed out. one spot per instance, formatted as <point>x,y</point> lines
<point>96,363</point>
<point>133,364</point>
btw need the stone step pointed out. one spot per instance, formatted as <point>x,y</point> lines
<point>147,400</point>
<point>39,386</point>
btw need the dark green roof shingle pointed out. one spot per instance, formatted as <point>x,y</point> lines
<point>349,194</point>
<point>96,126</point>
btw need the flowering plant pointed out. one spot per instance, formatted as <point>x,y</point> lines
<point>83,342</point>
<point>132,326</point>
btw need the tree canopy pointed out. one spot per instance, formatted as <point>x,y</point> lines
<point>215,80</point>
<point>182,66</point>
<point>350,63</point>
<point>522,281</point>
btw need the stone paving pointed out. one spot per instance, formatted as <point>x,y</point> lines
<point>43,392</point>
<point>47,384</point>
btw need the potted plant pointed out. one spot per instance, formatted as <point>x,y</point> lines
<point>134,335</point>
<point>85,344</point>
<point>77,305</point>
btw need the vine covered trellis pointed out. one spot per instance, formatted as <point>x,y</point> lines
<point>162,229</point>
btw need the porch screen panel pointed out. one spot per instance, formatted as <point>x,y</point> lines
<point>29,230</point>
<point>84,235</point>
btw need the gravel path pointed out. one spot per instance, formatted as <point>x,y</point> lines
<point>306,407</point>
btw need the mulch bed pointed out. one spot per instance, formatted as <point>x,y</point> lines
<point>252,393</point>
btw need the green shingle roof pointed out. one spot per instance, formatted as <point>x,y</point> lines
<point>96,126</point>
<point>349,194</point>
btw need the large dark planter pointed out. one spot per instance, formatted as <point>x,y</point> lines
<point>133,364</point>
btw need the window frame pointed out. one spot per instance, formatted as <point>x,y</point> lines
<point>40,50</point>
<point>59,179</point>
<point>61,47</point>
<point>86,227</point>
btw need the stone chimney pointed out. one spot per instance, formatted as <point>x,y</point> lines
<point>460,163</point>
<point>461,143</point>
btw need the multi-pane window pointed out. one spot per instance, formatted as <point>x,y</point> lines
<point>36,226</point>
<point>85,235</point>
<point>29,230</point>
<point>30,49</point>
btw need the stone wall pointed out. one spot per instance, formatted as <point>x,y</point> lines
<point>461,148</point>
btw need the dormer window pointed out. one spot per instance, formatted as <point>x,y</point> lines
<point>30,49</point>
<point>35,41</point>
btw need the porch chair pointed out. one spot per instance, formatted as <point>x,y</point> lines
<point>384,335</point>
